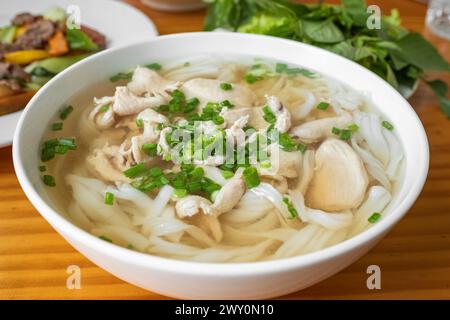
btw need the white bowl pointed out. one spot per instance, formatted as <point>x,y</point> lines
<point>205,280</point>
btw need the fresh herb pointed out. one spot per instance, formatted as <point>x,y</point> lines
<point>387,125</point>
<point>139,123</point>
<point>65,112</point>
<point>57,146</point>
<point>49,180</point>
<point>344,134</point>
<point>104,108</point>
<point>153,66</point>
<point>105,238</point>
<point>269,115</point>
<point>302,147</point>
<point>150,149</point>
<point>441,89</point>
<point>374,217</point>
<point>323,106</point>
<point>109,198</point>
<point>291,209</point>
<point>42,168</point>
<point>353,127</point>
<point>226,86</point>
<point>284,68</point>
<point>227,174</point>
<point>180,193</point>
<point>130,246</point>
<point>121,76</point>
<point>397,55</point>
<point>135,171</point>
<point>251,177</point>
<point>57,126</point>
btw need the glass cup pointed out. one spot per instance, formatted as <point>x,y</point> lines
<point>438,17</point>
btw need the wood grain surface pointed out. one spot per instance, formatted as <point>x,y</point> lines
<point>414,258</point>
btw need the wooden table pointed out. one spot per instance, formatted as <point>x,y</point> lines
<point>414,258</point>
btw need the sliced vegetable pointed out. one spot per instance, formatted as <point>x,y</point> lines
<point>57,44</point>
<point>25,56</point>
<point>7,34</point>
<point>78,40</point>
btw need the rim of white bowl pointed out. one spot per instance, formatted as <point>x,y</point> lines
<point>220,269</point>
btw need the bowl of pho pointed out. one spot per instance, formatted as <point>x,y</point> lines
<point>219,165</point>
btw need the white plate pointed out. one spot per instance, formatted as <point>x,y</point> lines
<point>119,22</point>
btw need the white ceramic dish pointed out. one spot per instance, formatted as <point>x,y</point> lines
<point>203,280</point>
<point>134,26</point>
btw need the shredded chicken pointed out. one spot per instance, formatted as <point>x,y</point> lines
<point>191,205</point>
<point>229,195</point>
<point>318,130</point>
<point>108,163</point>
<point>126,102</point>
<point>149,82</point>
<point>283,121</point>
<point>208,90</point>
<point>255,117</point>
<point>284,163</point>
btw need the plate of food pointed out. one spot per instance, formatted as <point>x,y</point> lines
<point>215,165</point>
<point>38,40</point>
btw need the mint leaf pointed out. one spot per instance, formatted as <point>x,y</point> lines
<point>357,10</point>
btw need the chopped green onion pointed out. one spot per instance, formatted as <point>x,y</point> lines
<point>353,127</point>
<point>387,125</point>
<point>66,112</point>
<point>42,168</point>
<point>154,66</point>
<point>61,149</point>
<point>227,104</point>
<point>251,78</point>
<point>286,142</point>
<point>109,198</point>
<point>135,171</point>
<point>218,120</point>
<point>374,217</point>
<point>266,165</point>
<point>251,177</point>
<point>139,123</point>
<point>302,147</point>
<point>281,67</point>
<point>226,86</point>
<point>180,193</point>
<point>291,209</point>
<point>121,76</point>
<point>345,134</point>
<point>269,115</point>
<point>104,108</point>
<point>57,126</point>
<point>130,246</point>
<point>336,131</point>
<point>67,142</point>
<point>227,174</point>
<point>105,238</point>
<point>150,149</point>
<point>323,106</point>
<point>186,64</point>
<point>49,180</point>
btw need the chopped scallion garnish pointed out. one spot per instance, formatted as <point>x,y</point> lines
<point>251,177</point>
<point>269,115</point>
<point>291,209</point>
<point>353,127</point>
<point>374,217</point>
<point>57,126</point>
<point>139,123</point>
<point>302,147</point>
<point>227,174</point>
<point>42,168</point>
<point>105,238</point>
<point>226,86</point>
<point>104,108</point>
<point>154,66</point>
<point>121,76</point>
<point>150,149</point>
<point>135,171</point>
<point>66,112</point>
<point>109,198</point>
<point>387,125</point>
<point>180,193</point>
<point>323,106</point>
<point>49,180</point>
